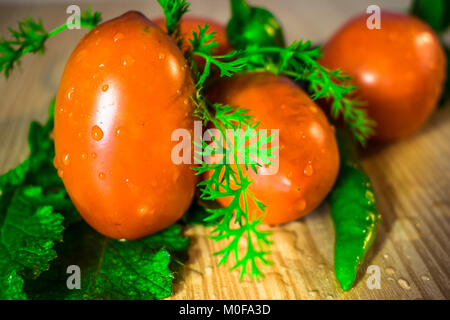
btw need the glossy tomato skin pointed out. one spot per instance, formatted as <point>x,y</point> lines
<point>190,24</point>
<point>308,153</point>
<point>399,70</point>
<point>124,90</point>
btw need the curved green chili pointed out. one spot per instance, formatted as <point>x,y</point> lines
<point>253,25</point>
<point>354,213</point>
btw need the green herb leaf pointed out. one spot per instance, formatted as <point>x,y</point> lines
<point>27,237</point>
<point>30,36</point>
<point>299,61</point>
<point>110,269</point>
<point>173,12</point>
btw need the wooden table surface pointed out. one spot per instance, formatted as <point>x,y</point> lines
<point>411,177</point>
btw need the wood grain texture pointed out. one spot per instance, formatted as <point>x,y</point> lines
<point>411,177</point>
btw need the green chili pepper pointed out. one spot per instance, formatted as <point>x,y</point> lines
<point>354,213</point>
<point>253,25</point>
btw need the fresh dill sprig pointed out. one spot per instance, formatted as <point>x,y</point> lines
<point>173,12</point>
<point>203,44</point>
<point>31,36</point>
<point>246,242</point>
<point>229,176</point>
<point>299,61</point>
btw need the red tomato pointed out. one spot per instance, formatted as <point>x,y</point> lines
<point>308,153</point>
<point>399,70</point>
<point>190,24</point>
<point>125,88</point>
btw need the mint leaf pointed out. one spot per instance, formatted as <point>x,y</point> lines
<point>8,184</point>
<point>11,282</point>
<point>27,236</point>
<point>30,230</point>
<point>110,269</point>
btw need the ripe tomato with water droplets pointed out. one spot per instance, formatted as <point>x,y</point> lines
<point>308,153</point>
<point>399,70</point>
<point>124,90</point>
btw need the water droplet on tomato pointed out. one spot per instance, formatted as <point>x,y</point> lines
<point>81,55</point>
<point>101,175</point>
<point>60,173</point>
<point>301,205</point>
<point>66,159</point>
<point>308,171</point>
<point>93,155</point>
<point>119,131</point>
<point>105,88</point>
<point>313,109</point>
<point>70,93</point>
<point>186,101</point>
<point>84,156</point>
<point>143,210</point>
<point>127,60</point>
<point>161,56</point>
<point>96,133</point>
<point>178,92</point>
<point>118,36</point>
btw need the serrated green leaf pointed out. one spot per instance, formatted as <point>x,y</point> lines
<point>111,269</point>
<point>28,234</point>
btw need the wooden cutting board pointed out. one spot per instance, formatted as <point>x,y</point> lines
<point>411,177</point>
